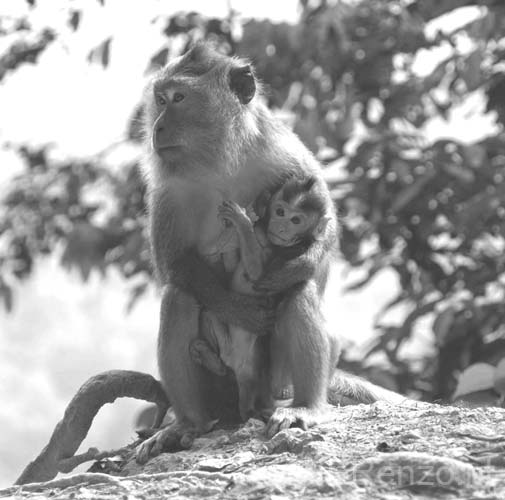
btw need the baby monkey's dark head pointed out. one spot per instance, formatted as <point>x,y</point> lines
<point>297,212</point>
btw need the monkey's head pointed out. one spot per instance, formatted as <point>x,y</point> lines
<point>297,213</point>
<point>198,110</point>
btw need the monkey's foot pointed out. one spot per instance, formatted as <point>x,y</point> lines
<point>264,414</point>
<point>284,393</point>
<point>284,418</point>
<point>174,437</point>
<point>201,353</point>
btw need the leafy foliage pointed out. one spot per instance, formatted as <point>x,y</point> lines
<point>432,211</point>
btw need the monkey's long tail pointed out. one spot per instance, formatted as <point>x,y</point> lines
<point>346,389</point>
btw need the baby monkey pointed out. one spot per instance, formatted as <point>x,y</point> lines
<point>286,225</point>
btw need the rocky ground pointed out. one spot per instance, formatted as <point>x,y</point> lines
<point>415,450</point>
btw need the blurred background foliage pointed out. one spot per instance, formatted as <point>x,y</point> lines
<point>430,210</point>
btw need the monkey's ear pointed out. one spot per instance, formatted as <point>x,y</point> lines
<point>242,83</point>
<point>309,182</point>
<point>321,227</point>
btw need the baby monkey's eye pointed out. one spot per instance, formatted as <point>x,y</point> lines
<point>280,212</point>
<point>296,220</point>
<point>178,97</point>
<point>161,99</point>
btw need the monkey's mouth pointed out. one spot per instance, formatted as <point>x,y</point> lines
<point>171,147</point>
<point>277,240</point>
<point>166,151</point>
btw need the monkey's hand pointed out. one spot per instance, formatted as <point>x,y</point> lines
<point>174,437</point>
<point>234,213</point>
<point>280,275</point>
<point>201,353</point>
<point>284,418</point>
<point>254,314</point>
<point>227,241</point>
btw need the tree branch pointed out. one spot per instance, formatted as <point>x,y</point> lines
<point>79,414</point>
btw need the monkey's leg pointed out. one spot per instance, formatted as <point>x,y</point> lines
<point>264,404</point>
<point>311,355</point>
<point>281,382</point>
<point>186,383</point>
<point>247,390</point>
<point>243,356</point>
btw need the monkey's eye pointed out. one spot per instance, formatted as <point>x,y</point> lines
<point>296,220</point>
<point>160,99</point>
<point>178,97</point>
<point>280,212</point>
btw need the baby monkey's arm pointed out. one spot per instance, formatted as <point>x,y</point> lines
<point>251,252</point>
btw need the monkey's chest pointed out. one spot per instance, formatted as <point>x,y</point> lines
<point>200,207</point>
<point>214,239</point>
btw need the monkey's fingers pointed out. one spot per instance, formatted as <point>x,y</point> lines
<point>171,438</point>
<point>201,353</point>
<point>272,283</point>
<point>284,393</point>
<point>226,207</point>
<point>284,418</point>
<point>145,450</point>
<point>232,209</point>
<point>277,424</point>
<point>187,440</point>
<point>228,214</point>
<point>232,205</point>
<point>226,218</point>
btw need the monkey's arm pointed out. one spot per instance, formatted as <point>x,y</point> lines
<point>251,252</point>
<point>178,262</point>
<point>281,274</point>
<point>192,274</point>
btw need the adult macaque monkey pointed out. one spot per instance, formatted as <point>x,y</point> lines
<point>210,140</point>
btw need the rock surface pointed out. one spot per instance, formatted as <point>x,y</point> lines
<point>415,450</point>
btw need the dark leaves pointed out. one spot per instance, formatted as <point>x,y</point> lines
<point>158,60</point>
<point>75,19</point>
<point>101,53</point>
<point>25,49</point>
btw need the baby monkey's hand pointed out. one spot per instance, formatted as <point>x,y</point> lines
<point>229,211</point>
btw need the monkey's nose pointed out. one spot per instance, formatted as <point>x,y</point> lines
<point>159,137</point>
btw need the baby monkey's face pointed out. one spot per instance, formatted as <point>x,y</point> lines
<point>288,224</point>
